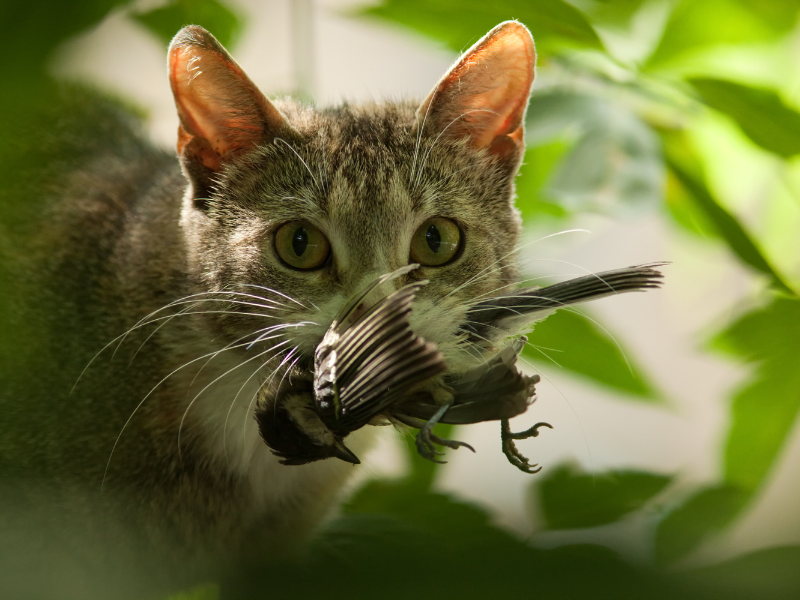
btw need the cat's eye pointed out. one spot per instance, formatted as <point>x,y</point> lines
<point>436,242</point>
<point>302,246</point>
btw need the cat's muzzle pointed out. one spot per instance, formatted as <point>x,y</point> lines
<point>370,366</point>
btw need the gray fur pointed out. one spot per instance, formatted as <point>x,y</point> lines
<point>122,239</point>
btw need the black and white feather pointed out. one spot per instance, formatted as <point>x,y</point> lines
<point>367,363</point>
<point>507,312</point>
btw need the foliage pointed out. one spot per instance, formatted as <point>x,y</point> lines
<point>165,21</point>
<point>579,344</point>
<point>615,129</point>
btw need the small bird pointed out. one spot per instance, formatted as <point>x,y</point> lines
<point>371,368</point>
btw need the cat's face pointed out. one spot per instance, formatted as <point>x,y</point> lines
<point>303,216</point>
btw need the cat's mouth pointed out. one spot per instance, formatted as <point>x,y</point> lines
<point>371,365</point>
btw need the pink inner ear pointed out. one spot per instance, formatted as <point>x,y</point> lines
<point>484,96</point>
<point>221,111</point>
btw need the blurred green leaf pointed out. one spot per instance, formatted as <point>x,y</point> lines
<point>761,113</point>
<point>706,512</point>
<point>571,499</point>
<point>533,201</point>
<point>684,209</point>
<point>613,13</point>
<point>695,25</point>
<point>765,410</point>
<point>772,573</point>
<point>215,16</point>
<point>615,161</point>
<point>441,513</point>
<point>460,23</point>
<point>429,545</point>
<point>203,592</point>
<point>584,348</point>
<point>683,162</point>
<point>30,31</point>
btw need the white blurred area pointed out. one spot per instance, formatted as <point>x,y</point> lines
<point>665,331</point>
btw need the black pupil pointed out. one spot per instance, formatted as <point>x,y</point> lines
<point>434,238</point>
<point>299,241</point>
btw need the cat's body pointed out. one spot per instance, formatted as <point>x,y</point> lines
<point>154,455</point>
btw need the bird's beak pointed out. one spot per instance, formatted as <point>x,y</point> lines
<point>343,452</point>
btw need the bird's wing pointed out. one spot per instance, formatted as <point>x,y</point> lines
<point>377,361</point>
<point>527,305</point>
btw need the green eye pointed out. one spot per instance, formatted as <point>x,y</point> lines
<point>302,246</point>
<point>436,242</point>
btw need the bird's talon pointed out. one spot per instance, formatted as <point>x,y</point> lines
<point>514,456</point>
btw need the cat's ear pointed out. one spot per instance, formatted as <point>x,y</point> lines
<point>222,113</point>
<point>483,97</point>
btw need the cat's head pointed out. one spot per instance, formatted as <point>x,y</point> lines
<point>291,209</point>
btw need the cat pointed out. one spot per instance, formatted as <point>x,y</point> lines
<point>175,295</point>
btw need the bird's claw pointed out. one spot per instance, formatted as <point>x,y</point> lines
<point>514,456</point>
<point>426,438</point>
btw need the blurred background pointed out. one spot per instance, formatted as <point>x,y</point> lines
<point>659,130</point>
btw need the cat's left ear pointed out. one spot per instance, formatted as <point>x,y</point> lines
<point>222,113</point>
<point>483,97</point>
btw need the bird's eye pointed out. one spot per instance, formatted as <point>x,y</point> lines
<point>302,246</point>
<point>436,242</point>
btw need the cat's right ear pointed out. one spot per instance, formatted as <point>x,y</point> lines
<point>222,113</point>
<point>483,97</point>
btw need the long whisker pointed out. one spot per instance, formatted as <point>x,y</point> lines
<point>572,408</point>
<point>233,402</point>
<point>236,341</point>
<point>208,385</point>
<point>120,339</point>
<point>273,291</point>
<point>193,298</point>
<point>441,133</point>
<point>143,400</point>
<point>284,326</point>
<point>483,272</point>
<point>267,382</point>
<point>185,312</point>
<point>305,164</point>
<point>420,129</point>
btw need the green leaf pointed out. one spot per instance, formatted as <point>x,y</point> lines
<point>771,573</point>
<point>533,200</point>
<point>167,20</point>
<point>615,161</point>
<point>30,31</point>
<point>760,113</point>
<point>683,162</point>
<point>460,23</point>
<point>571,499</point>
<point>203,592</point>
<point>766,408</point>
<point>706,512</point>
<point>694,26</point>
<point>684,210</point>
<point>613,13</point>
<point>584,348</point>
<point>457,525</point>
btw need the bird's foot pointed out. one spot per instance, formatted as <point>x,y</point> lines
<point>427,440</point>
<point>513,455</point>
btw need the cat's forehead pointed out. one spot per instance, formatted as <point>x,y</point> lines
<point>367,168</point>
